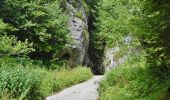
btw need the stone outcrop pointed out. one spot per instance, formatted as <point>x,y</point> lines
<point>77,53</point>
<point>78,24</point>
<point>111,60</point>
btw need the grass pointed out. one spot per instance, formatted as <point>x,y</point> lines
<point>134,81</point>
<point>27,81</point>
<point>55,81</point>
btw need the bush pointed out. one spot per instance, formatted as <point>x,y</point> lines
<point>20,82</point>
<point>10,45</point>
<point>134,80</point>
<point>42,23</point>
<point>13,47</point>
<point>21,79</point>
<point>147,21</point>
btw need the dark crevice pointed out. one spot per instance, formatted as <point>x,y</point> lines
<point>65,56</point>
<point>96,45</point>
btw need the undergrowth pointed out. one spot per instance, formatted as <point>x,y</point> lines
<point>27,81</point>
<point>134,80</point>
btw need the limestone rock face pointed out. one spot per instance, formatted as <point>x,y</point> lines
<point>78,24</point>
<point>111,60</point>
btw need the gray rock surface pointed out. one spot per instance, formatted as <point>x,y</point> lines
<point>82,91</point>
<point>78,24</point>
<point>111,61</point>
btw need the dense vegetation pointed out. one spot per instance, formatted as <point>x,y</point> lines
<point>32,34</point>
<point>39,26</point>
<point>146,74</point>
<point>23,80</point>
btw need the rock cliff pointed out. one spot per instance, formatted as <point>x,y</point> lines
<point>78,25</point>
<point>77,54</point>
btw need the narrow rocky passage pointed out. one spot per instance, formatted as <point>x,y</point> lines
<point>83,91</point>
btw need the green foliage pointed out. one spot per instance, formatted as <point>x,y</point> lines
<point>112,21</point>
<point>158,45</point>
<point>21,79</point>
<point>148,22</point>
<point>10,45</point>
<point>79,15</point>
<point>42,23</point>
<point>16,61</point>
<point>55,81</point>
<point>134,81</point>
<point>20,82</point>
<point>13,47</point>
<point>3,26</point>
<point>38,29</point>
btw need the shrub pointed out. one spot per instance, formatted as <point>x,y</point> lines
<point>42,23</point>
<point>20,82</point>
<point>21,79</point>
<point>147,21</point>
<point>133,80</point>
<point>10,45</point>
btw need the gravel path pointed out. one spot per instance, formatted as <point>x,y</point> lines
<point>82,91</point>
